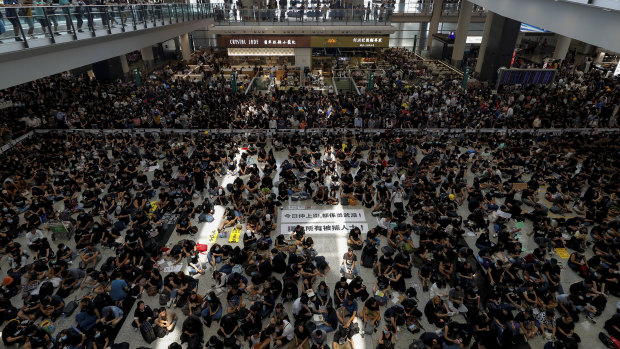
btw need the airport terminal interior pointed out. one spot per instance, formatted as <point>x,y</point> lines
<point>310,174</point>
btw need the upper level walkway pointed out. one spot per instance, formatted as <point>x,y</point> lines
<point>51,39</point>
<point>36,26</point>
<point>320,14</point>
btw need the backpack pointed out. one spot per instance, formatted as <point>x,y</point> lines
<point>610,342</point>
<point>70,308</point>
<point>164,297</point>
<point>417,344</point>
<point>412,292</point>
<point>146,329</point>
<point>205,217</point>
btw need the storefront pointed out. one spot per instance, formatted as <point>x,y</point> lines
<point>264,50</point>
<point>312,52</point>
<point>336,52</point>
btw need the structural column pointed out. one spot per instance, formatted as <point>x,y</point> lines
<point>483,43</point>
<point>110,69</point>
<point>147,55</point>
<point>399,34</point>
<point>500,45</point>
<point>124,64</point>
<point>437,7</point>
<point>561,47</point>
<point>462,28</point>
<point>186,49</point>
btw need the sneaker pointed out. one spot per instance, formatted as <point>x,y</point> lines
<point>80,31</point>
<point>168,304</point>
<point>591,318</point>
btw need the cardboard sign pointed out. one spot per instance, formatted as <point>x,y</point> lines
<point>562,253</point>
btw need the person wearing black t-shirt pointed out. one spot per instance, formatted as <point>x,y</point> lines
<point>142,313</point>
<point>341,291</point>
<point>565,330</point>
<point>302,336</point>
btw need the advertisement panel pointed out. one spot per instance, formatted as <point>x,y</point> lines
<point>263,41</point>
<point>350,41</point>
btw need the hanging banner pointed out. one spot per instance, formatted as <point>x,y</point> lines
<point>323,228</point>
<point>304,216</point>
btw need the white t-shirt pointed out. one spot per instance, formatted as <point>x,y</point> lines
<point>288,331</point>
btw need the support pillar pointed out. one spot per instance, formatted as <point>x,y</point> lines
<point>500,45</point>
<point>399,34</point>
<point>561,47</point>
<point>186,49</point>
<point>109,69</point>
<point>423,36</point>
<point>437,8</point>
<point>147,55</point>
<point>124,64</point>
<point>485,38</point>
<point>462,28</point>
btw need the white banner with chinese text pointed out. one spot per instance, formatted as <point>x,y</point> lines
<point>332,215</point>
<point>316,228</point>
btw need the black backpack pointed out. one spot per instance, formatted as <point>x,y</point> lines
<point>146,329</point>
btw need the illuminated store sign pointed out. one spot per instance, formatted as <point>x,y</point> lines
<point>350,41</point>
<point>263,41</point>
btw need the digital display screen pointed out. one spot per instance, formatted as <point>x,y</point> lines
<point>526,76</point>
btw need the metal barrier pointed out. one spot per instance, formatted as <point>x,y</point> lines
<point>35,25</point>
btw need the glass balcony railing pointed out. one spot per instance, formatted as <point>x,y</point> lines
<point>319,12</point>
<point>299,15</point>
<point>28,26</point>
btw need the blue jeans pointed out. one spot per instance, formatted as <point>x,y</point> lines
<point>446,345</point>
<point>174,293</point>
<point>226,269</point>
<point>193,271</point>
<point>355,271</point>
<point>560,288</point>
<point>325,328</point>
<point>209,258</point>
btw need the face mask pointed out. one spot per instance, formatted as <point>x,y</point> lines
<point>208,298</point>
<point>98,335</point>
<point>5,209</point>
<point>63,338</point>
<point>384,331</point>
<point>10,221</point>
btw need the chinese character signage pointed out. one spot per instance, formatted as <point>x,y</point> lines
<point>350,41</point>
<point>323,228</point>
<point>291,216</point>
<point>263,41</point>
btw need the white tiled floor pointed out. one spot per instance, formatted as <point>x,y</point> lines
<point>331,246</point>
